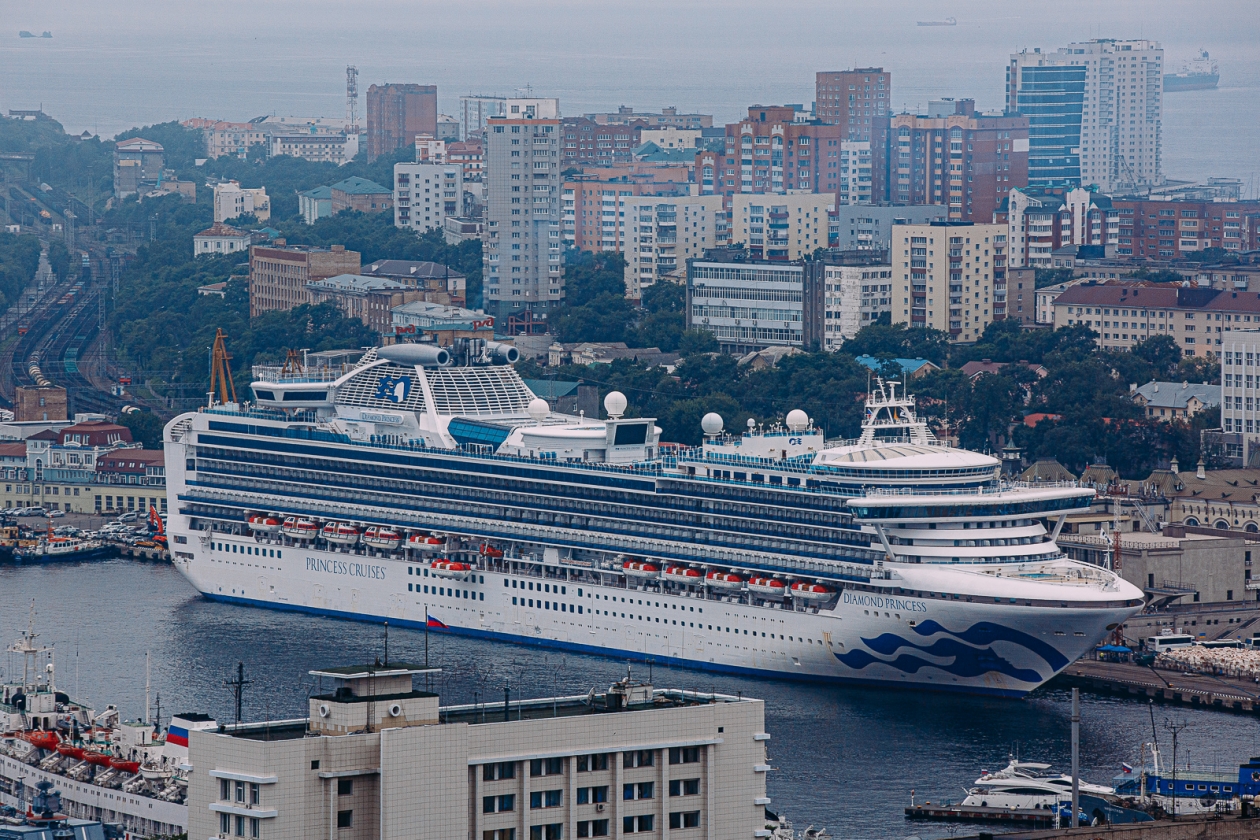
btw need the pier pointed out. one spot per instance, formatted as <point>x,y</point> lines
<point>981,814</point>
<point>1228,828</point>
<point>1202,690</point>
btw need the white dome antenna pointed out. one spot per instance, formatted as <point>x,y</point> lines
<point>712,423</point>
<point>797,420</point>
<point>752,424</point>
<point>538,409</point>
<point>615,404</point>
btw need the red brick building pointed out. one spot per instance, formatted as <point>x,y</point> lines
<point>396,114</point>
<point>1169,230</point>
<point>769,153</point>
<point>853,99</point>
<point>952,157</point>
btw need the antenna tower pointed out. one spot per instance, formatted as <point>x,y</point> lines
<point>352,99</point>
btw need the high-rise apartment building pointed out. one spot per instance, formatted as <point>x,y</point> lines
<point>950,276</point>
<point>1042,221</point>
<point>593,205</point>
<point>426,193</point>
<point>1177,229</point>
<point>855,172</point>
<point>953,157</point>
<point>662,233</point>
<point>587,143</point>
<point>523,257</point>
<point>396,114</point>
<point>1095,113</point>
<point>851,99</point>
<point>781,227</point>
<point>843,292</point>
<point>769,152</point>
<point>475,110</point>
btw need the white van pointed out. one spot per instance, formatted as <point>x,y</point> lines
<point>1169,641</point>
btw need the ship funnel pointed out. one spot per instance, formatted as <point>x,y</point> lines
<point>502,354</point>
<point>415,354</point>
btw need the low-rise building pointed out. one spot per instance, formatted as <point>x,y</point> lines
<point>279,273</point>
<point>375,758</point>
<point>220,239</point>
<point>457,229</point>
<point>1175,400</point>
<point>315,204</point>
<point>39,403</point>
<point>441,283</point>
<point>138,166</point>
<point>231,201</point>
<point>370,299</point>
<point>425,194</point>
<point>317,147</point>
<point>355,193</point>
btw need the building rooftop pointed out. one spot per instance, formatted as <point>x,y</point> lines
<point>907,365</point>
<point>421,269</point>
<point>318,193</point>
<point>220,229</point>
<point>394,669</point>
<point>1177,394</point>
<point>355,283</point>
<point>354,185</point>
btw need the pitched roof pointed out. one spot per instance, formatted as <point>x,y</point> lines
<point>907,365</point>
<point>220,229</point>
<point>1046,469</point>
<point>1178,394</point>
<point>1116,294</point>
<point>354,185</point>
<point>354,283</point>
<point>318,193</point>
<point>13,450</point>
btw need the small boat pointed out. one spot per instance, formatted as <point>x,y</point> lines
<point>767,587</point>
<point>426,542</point>
<point>488,550</point>
<point>682,574</point>
<point>449,569</point>
<point>125,765</point>
<point>811,591</point>
<point>299,528</point>
<point>386,539</point>
<point>265,524</point>
<point>641,569</point>
<point>43,739</point>
<point>724,580</point>
<point>155,773</point>
<point>1026,784</point>
<point>949,21</point>
<point>71,750</point>
<point>98,758</point>
<point>342,533</point>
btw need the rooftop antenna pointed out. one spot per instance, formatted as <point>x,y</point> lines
<point>238,686</point>
<point>352,99</point>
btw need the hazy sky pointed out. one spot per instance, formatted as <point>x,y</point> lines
<point>112,65</point>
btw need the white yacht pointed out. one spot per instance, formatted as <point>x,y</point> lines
<point>892,559</point>
<point>1027,785</point>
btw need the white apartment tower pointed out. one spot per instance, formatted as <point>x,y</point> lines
<point>855,172</point>
<point>425,194</point>
<point>523,257</point>
<point>662,233</point>
<point>1095,113</point>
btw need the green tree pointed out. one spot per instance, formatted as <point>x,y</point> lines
<point>146,428</point>
<point>1043,277</point>
<point>59,259</point>
<point>884,340</point>
<point>1161,353</point>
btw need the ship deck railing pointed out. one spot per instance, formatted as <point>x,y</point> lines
<point>1004,487</point>
<point>277,373</point>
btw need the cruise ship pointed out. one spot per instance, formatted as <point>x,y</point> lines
<point>429,486</point>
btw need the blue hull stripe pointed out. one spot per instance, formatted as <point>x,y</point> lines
<point>616,653</point>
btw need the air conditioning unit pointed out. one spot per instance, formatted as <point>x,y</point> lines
<point>599,807</point>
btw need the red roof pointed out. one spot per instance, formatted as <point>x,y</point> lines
<point>12,450</point>
<point>1031,420</point>
<point>95,433</point>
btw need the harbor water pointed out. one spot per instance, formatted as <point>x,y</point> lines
<point>843,757</point>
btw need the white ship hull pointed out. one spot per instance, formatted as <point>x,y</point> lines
<point>892,641</point>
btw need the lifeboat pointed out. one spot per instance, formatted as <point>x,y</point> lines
<point>71,750</point>
<point>641,569</point>
<point>97,758</point>
<point>488,550</point>
<point>683,575</point>
<point>265,524</point>
<point>305,529</point>
<point>42,739</point>
<point>154,774</point>
<point>811,591</point>
<point>426,542</point>
<point>767,587</point>
<point>342,533</point>
<point>449,569</point>
<point>124,765</point>
<point>724,580</point>
<point>386,539</point>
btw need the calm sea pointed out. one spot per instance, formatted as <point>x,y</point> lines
<point>110,66</point>
<point>845,758</point>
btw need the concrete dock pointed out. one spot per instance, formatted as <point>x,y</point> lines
<point>1204,690</point>
<point>1227,828</point>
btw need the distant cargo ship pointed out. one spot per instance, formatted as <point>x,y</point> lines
<point>25,34</point>
<point>949,21</point>
<point>1201,73</point>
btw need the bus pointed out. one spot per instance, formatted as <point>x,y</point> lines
<point>1169,641</point>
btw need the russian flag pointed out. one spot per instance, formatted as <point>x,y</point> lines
<point>177,735</point>
<point>433,624</point>
<point>1128,768</point>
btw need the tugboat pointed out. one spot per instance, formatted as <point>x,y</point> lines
<point>52,547</point>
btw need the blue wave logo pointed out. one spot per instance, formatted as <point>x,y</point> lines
<point>394,389</point>
<point>971,652</point>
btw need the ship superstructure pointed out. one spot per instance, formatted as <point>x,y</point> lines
<point>428,485</point>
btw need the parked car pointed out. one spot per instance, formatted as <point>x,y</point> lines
<point>57,513</point>
<point>130,516</point>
